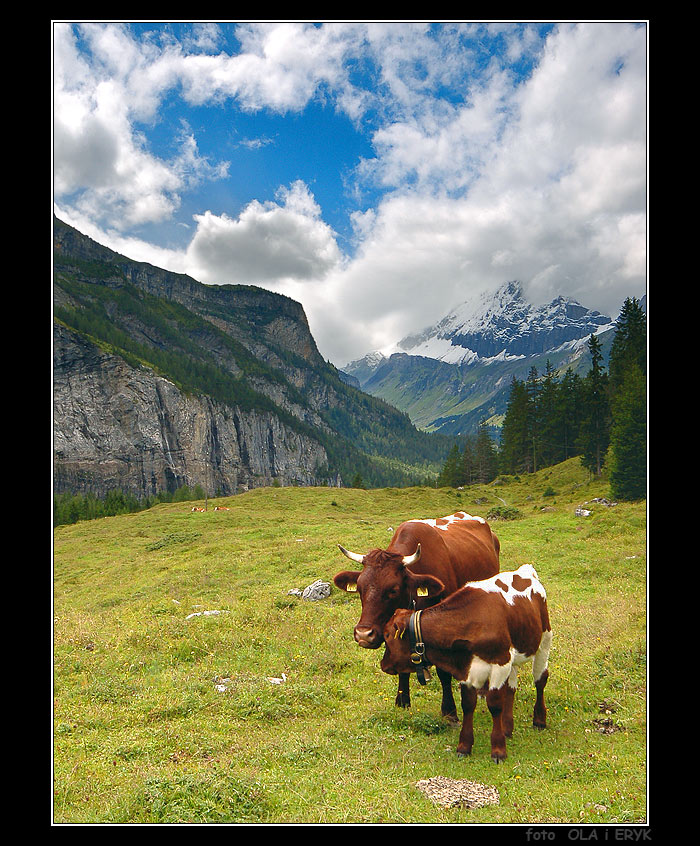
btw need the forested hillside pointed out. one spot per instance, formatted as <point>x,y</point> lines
<point>599,416</point>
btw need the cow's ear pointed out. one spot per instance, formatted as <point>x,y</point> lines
<point>424,585</point>
<point>347,580</point>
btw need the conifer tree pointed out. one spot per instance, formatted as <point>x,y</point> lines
<point>568,413</point>
<point>514,432</point>
<point>357,481</point>
<point>629,419</point>
<point>629,346</point>
<point>550,451</point>
<point>628,438</point>
<point>533,417</point>
<point>595,425</point>
<point>467,473</point>
<point>486,457</point>
<point>449,475</point>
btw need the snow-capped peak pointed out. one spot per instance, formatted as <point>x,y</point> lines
<point>504,325</point>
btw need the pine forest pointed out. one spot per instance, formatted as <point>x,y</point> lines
<point>550,418</point>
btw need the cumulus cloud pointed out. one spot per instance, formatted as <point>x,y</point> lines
<point>267,243</point>
<point>555,198</point>
<point>103,168</point>
<point>280,67</point>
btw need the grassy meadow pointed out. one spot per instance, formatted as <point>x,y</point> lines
<point>163,719</point>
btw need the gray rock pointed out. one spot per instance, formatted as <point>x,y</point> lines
<point>318,590</point>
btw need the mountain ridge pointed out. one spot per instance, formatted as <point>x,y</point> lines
<point>161,381</point>
<point>457,373</point>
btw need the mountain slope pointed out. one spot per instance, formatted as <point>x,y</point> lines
<point>161,381</point>
<point>453,375</point>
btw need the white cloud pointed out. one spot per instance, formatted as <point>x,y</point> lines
<point>444,152</point>
<point>103,169</point>
<point>280,67</point>
<point>268,243</point>
<point>556,198</point>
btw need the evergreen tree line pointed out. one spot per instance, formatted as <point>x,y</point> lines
<point>476,464</point>
<point>600,416</point>
<point>70,508</point>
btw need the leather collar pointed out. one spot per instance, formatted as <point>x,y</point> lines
<point>415,637</point>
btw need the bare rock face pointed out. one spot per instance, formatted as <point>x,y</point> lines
<point>121,426</point>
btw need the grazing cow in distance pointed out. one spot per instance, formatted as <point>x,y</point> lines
<point>195,508</point>
<point>480,635</point>
<point>425,561</point>
<point>221,508</point>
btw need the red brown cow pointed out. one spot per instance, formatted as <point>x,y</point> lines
<point>425,561</point>
<point>480,635</point>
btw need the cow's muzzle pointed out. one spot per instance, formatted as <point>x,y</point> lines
<point>368,637</point>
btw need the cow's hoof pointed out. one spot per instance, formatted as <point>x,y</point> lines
<point>461,753</point>
<point>498,758</point>
<point>539,726</point>
<point>451,718</point>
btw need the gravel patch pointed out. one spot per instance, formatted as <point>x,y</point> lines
<point>451,792</point>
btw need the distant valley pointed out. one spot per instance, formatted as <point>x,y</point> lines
<point>457,374</point>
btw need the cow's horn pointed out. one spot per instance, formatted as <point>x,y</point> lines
<point>411,559</point>
<point>353,556</point>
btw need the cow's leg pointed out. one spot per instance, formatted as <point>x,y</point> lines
<point>495,700</point>
<point>448,708</point>
<point>540,674</point>
<point>403,697</point>
<point>539,716</point>
<point>509,697</point>
<point>466,736</point>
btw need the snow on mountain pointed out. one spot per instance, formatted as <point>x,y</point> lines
<point>504,326</point>
<point>495,327</point>
<point>501,330</point>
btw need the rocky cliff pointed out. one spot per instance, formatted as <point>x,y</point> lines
<point>253,315</point>
<point>120,427</point>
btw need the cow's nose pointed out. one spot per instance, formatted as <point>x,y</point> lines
<point>367,636</point>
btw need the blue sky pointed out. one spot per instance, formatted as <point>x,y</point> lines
<point>378,172</point>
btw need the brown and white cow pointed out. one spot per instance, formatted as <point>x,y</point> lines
<point>425,561</point>
<point>480,635</point>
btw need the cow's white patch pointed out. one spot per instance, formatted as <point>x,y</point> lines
<point>493,584</point>
<point>541,660</point>
<point>518,658</point>
<point>499,674</point>
<point>479,673</point>
<point>458,517</point>
<point>513,678</point>
<point>482,673</point>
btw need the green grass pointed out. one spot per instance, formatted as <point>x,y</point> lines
<point>143,735</point>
